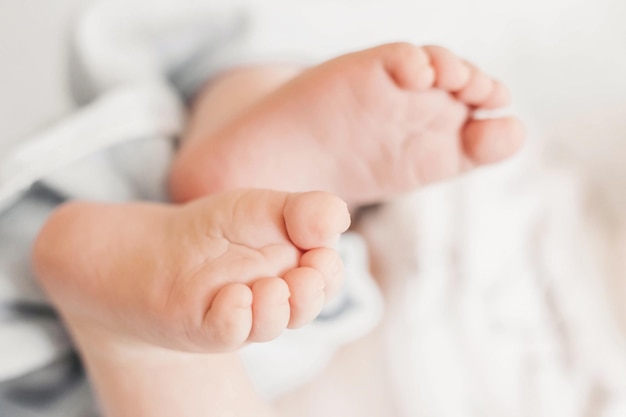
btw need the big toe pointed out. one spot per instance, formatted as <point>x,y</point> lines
<point>488,141</point>
<point>256,218</point>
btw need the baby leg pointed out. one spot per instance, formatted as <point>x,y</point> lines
<point>148,290</point>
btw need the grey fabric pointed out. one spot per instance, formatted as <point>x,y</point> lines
<point>58,390</point>
<point>30,333</point>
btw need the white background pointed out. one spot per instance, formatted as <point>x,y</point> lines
<point>562,58</point>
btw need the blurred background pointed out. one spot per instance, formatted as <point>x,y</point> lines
<point>558,56</point>
<point>565,62</point>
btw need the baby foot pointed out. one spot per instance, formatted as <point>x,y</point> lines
<point>364,126</point>
<point>209,276</point>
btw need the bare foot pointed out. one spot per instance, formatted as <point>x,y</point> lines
<point>365,126</point>
<point>208,276</point>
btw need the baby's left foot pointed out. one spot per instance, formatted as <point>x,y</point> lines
<point>209,276</point>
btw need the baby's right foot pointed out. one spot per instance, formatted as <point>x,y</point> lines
<point>364,126</point>
<point>209,276</point>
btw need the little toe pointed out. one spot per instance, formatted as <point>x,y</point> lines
<point>451,73</point>
<point>306,286</point>
<point>270,309</point>
<point>228,321</point>
<point>315,219</point>
<point>492,140</point>
<point>328,262</point>
<point>478,89</point>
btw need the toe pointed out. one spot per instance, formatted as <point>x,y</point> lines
<point>228,321</point>
<point>408,65</point>
<point>492,140</point>
<point>328,262</point>
<point>478,89</point>
<point>309,220</point>
<point>306,286</point>
<point>451,73</point>
<point>500,97</point>
<point>270,309</point>
<point>315,219</point>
